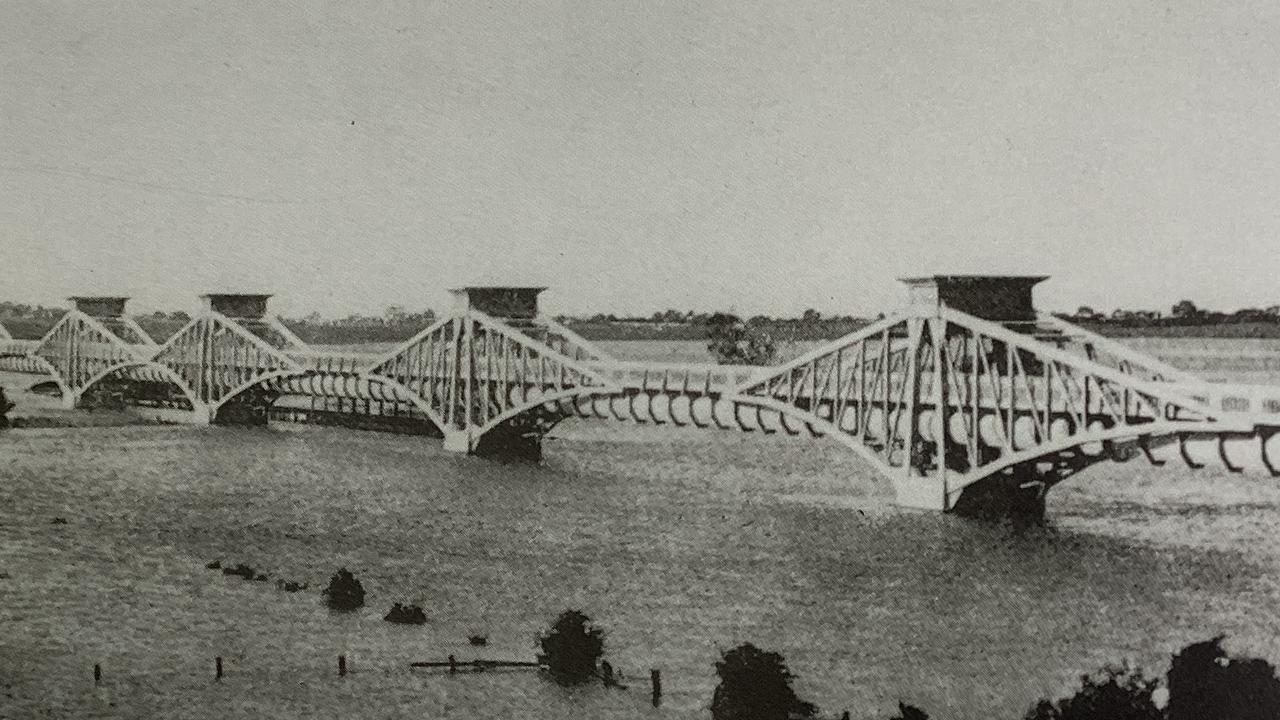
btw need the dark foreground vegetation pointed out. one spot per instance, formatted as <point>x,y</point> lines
<point>5,406</point>
<point>1203,683</point>
<point>572,648</point>
<point>756,685</point>
<point>344,593</point>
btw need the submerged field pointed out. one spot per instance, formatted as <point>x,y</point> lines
<point>681,543</point>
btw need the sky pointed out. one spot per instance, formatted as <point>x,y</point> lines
<point>764,157</point>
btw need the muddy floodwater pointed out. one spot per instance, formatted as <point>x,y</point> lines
<point>680,543</point>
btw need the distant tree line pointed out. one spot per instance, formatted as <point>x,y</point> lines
<point>691,317</point>
<point>26,321</point>
<point>394,325</point>
<point>1184,312</point>
<point>34,321</point>
<point>691,325</point>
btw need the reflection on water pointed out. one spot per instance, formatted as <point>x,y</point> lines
<point>680,543</point>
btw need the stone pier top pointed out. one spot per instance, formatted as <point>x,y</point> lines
<point>252,306</point>
<point>99,306</point>
<point>1000,298</point>
<point>502,301</point>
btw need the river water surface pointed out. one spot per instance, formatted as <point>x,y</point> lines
<point>680,543</point>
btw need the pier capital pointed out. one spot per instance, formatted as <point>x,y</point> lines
<point>500,301</point>
<point>999,298</point>
<point>243,306</point>
<point>99,306</point>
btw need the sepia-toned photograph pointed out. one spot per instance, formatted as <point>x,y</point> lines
<point>598,360</point>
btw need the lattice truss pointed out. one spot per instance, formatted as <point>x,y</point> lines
<point>80,350</point>
<point>959,396</point>
<point>1106,352</point>
<point>218,358</point>
<point>472,371</point>
<point>566,342</point>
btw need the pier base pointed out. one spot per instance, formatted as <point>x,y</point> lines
<point>458,441</point>
<point>501,443</point>
<point>921,493</point>
<point>251,408</point>
<point>510,442</point>
<point>1018,497</point>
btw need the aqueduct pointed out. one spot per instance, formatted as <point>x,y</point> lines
<point>967,399</point>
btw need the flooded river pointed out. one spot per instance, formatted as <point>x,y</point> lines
<point>680,543</point>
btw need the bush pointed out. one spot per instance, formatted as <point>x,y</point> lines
<point>1205,683</point>
<point>1117,694</point>
<point>240,570</point>
<point>756,685</point>
<point>406,615</point>
<point>732,343</point>
<point>571,648</point>
<point>5,406</point>
<point>909,712</point>
<point>345,593</point>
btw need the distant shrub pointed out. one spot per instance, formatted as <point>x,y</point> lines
<point>572,648</point>
<point>5,406</point>
<point>1115,694</point>
<point>241,570</point>
<point>909,712</point>
<point>345,593</point>
<point>756,685</point>
<point>1205,683</point>
<point>406,615</point>
<point>290,586</point>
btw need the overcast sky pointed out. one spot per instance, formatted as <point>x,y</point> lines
<point>765,156</point>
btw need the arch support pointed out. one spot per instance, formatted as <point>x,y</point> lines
<point>1018,496</point>
<point>492,388</point>
<point>516,438</point>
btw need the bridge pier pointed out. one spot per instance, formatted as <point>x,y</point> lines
<point>517,439</point>
<point>920,493</point>
<point>496,444</point>
<point>458,441</point>
<point>1017,496</point>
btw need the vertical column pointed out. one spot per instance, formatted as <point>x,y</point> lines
<point>458,439</point>
<point>911,486</point>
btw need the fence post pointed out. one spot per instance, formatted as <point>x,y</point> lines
<point>217,668</point>
<point>97,674</point>
<point>342,666</point>
<point>655,677</point>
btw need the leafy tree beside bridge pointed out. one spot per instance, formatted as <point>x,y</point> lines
<point>731,342</point>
